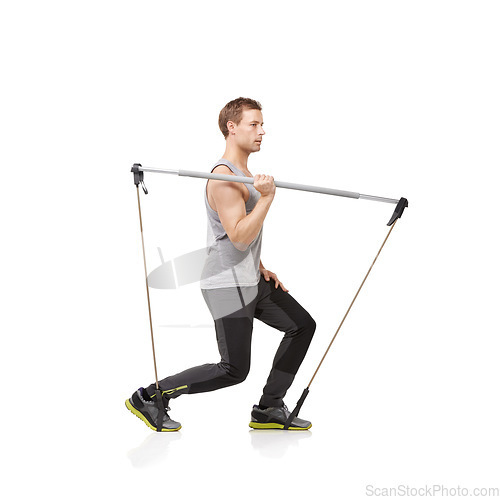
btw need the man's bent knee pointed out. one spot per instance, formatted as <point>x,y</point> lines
<point>308,325</point>
<point>237,375</point>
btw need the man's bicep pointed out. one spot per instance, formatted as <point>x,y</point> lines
<point>230,206</point>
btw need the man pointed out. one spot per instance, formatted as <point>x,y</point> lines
<point>238,288</point>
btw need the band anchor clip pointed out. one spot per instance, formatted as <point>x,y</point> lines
<point>139,177</point>
<point>398,212</point>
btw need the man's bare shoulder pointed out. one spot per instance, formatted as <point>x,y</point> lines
<point>223,186</point>
<point>222,169</point>
<point>224,191</point>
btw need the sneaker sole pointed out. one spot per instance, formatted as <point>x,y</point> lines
<point>257,425</point>
<point>138,414</point>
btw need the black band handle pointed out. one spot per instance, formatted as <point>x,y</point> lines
<point>296,410</point>
<point>161,410</point>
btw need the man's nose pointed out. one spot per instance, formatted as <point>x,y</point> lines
<point>262,132</point>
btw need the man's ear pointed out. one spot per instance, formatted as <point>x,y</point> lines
<point>230,126</point>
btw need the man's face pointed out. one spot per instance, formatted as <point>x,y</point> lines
<point>249,132</point>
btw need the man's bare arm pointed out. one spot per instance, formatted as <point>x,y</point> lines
<point>242,229</point>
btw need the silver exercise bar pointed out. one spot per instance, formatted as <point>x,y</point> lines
<point>281,184</point>
<point>138,171</point>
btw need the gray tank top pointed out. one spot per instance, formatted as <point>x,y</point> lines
<point>225,265</point>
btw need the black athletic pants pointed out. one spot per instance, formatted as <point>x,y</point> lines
<point>233,310</point>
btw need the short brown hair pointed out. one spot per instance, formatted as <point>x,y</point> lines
<point>233,112</point>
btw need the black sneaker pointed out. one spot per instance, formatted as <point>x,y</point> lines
<point>147,411</point>
<point>275,418</point>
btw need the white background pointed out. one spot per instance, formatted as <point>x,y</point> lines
<point>389,98</point>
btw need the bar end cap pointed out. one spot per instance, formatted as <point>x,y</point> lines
<point>398,212</point>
